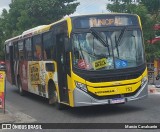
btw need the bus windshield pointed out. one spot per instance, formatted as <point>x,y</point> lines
<point>121,48</point>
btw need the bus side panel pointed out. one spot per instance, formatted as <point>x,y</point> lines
<point>8,71</point>
<point>37,78</point>
<point>23,68</point>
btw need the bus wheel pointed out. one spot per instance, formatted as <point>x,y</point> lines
<point>53,97</point>
<point>21,91</point>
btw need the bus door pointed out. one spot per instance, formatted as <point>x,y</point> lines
<point>62,68</point>
<point>12,63</point>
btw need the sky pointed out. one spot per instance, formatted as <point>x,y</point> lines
<point>85,7</point>
<point>4,4</point>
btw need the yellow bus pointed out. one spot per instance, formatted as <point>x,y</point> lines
<point>81,60</point>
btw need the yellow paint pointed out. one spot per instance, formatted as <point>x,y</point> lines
<point>114,83</point>
<point>43,29</point>
<point>114,90</point>
<point>2,81</point>
<point>139,20</point>
<point>69,22</point>
<point>70,90</point>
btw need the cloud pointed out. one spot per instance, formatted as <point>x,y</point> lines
<point>4,3</point>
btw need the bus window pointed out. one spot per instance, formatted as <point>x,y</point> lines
<point>7,52</point>
<point>48,46</point>
<point>37,47</point>
<point>15,51</point>
<point>21,50</point>
<point>28,48</point>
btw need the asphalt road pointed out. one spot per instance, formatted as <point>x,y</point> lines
<point>142,111</point>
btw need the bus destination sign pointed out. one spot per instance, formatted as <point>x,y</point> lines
<point>94,22</point>
<point>105,20</point>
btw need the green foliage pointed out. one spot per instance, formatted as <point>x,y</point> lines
<point>31,13</point>
<point>3,24</point>
<point>153,6</point>
<point>25,14</point>
<point>150,48</point>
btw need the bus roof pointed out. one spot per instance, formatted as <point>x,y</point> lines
<point>114,13</point>
<point>33,30</point>
<point>12,39</point>
<point>44,28</point>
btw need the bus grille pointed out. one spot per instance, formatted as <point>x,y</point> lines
<point>114,78</point>
<point>114,96</point>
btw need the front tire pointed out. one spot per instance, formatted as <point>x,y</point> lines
<point>53,97</point>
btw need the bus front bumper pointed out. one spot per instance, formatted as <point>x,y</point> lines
<point>83,99</point>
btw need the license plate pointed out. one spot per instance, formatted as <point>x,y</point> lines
<point>117,100</point>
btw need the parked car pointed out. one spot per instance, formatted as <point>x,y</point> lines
<point>2,66</point>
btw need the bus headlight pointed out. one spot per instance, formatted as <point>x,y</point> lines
<point>143,81</point>
<point>81,86</point>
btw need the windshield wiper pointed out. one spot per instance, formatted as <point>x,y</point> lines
<point>121,35</point>
<point>80,48</point>
<point>98,37</point>
<point>116,45</point>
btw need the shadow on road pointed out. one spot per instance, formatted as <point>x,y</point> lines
<point>102,110</point>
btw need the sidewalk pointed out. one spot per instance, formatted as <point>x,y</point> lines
<point>7,117</point>
<point>13,115</point>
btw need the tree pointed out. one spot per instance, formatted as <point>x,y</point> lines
<point>3,17</point>
<point>123,6</point>
<point>30,13</point>
<point>149,13</point>
<point>153,7</point>
<point>25,14</point>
